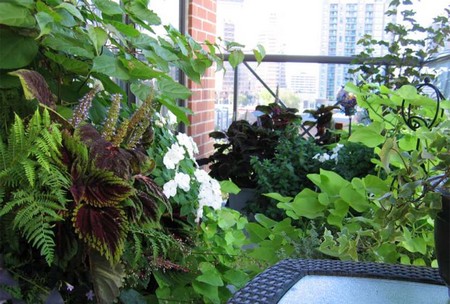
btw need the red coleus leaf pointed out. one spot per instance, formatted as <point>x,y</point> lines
<point>103,229</point>
<point>100,188</point>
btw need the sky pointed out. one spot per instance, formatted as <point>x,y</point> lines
<point>300,25</point>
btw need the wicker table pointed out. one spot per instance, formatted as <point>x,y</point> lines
<point>346,282</point>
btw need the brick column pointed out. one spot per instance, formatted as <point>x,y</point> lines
<point>202,26</point>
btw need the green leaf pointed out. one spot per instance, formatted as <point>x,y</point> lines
<point>210,275</point>
<point>236,57</point>
<point>108,7</point>
<point>70,64</point>
<point>173,89</point>
<point>178,111</point>
<point>228,186</point>
<point>385,153</point>
<point>72,10</point>
<point>45,22</point>
<point>238,278</point>
<point>208,291</point>
<point>259,53</point>
<point>138,69</point>
<point>107,278</point>
<point>125,29</point>
<point>131,296</point>
<point>110,66</point>
<point>306,204</point>
<point>264,220</point>
<point>98,37</point>
<point>407,92</point>
<point>257,232</point>
<point>14,15</point>
<point>278,197</point>
<point>16,51</point>
<point>226,220</point>
<point>69,45</point>
<point>139,10</point>
<point>355,199</point>
<point>368,135</point>
<point>141,90</point>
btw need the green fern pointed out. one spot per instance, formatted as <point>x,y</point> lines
<point>33,182</point>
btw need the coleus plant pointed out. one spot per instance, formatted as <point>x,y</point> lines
<point>109,191</point>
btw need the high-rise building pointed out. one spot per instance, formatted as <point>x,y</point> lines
<point>234,19</point>
<point>344,22</point>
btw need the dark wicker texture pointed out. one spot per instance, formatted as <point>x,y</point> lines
<point>271,285</point>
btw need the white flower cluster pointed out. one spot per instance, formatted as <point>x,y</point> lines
<point>325,156</point>
<point>209,193</point>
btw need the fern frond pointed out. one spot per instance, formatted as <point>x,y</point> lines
<point>35,217</point>
<point>30,171</point>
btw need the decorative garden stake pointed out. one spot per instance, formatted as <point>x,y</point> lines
<point>442,220</point>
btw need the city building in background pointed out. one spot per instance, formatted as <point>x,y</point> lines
<point>344,22</point>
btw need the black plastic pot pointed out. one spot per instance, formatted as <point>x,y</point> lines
<point>442,237</point>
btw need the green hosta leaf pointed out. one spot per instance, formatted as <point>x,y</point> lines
<point>108,7</point>
<point>110,66</point>
<point>107,278</point>
<point>236,57</point>
<point>210,275</point>
<point>16,51</point>
<point>173,89</point>
<point>368,135</point>
<point>14,15</point>
<point>98,37</point>
<point>228,186</point>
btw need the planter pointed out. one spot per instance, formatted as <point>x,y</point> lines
<point>442,237</point>
<point>239,201</point>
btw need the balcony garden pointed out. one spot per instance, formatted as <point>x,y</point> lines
<point>102,200</point>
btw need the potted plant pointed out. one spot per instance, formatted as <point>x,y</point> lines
<point>80,214</point>
<point>243,141</point>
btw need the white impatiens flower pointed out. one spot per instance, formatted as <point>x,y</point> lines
<point>202,176</point>
<point>322,157</point>
<point>183,181</point>
<point>173,156</point>
<point>189,143</point>
<point>170,188</point>
<point>209,192</point>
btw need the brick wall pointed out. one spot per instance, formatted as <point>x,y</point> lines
<point>202,26</point>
